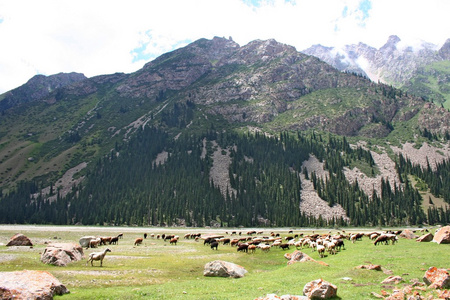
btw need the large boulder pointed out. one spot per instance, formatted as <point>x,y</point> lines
<point>437,278</point>
<point>30,285</point>
<point>219,268</point>
<point>19,240</point>
<point>408,234</point>
<point>298,256</point>
<point>425,238</point>
<point>60,254</point>
<point>442,236</point>
<point>320,289</point>
<point>284,297</point>
<point>84,241</point>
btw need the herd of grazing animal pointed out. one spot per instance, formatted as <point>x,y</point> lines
<point>253,242</point>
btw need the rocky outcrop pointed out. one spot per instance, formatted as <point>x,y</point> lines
<point>19,240</point>
<point>393,63</point>
<point>61,254</point>
<point>320,289</point>
<point>30,285</point>
<point>370,267</point>
<point>442,236</point>
<point>284,297</point>
<point>38,87</point>
<point>298,256</point>
<point>408,234</point>
<point>219,268</point>
<point>437,278</point>
<point>425,238</point>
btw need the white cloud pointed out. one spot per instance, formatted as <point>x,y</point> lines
<point>107,36</point>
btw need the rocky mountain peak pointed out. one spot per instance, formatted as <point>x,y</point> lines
<point>39,87</point>
<point>391,44</point>
<point>444,52</point>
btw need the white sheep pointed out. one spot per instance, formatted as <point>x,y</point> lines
<point>264,247</point>
<point>321,250</point>
<point>97,256</point>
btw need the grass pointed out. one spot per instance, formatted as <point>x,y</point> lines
<point>158,270</point>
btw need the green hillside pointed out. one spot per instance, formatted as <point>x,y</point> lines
<point>432,82</point>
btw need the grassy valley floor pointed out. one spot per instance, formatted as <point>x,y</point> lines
<point>158,270</point>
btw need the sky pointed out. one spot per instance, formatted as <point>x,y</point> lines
<point>97,37</point>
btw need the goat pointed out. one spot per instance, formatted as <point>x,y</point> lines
<point>97,256</point>
<point>174,241</point>
<point>138,241</point>
<point>120,236</point>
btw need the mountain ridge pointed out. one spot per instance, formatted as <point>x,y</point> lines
<point>203,89</point>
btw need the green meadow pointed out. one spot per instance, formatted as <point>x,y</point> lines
<point>158,270</point>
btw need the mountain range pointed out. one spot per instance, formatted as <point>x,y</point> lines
<point>57,130</point>
<point>422,69</point>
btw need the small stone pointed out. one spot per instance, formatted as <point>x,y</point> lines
<point>392,279</point>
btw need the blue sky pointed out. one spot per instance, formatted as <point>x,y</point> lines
<point>108,36</point>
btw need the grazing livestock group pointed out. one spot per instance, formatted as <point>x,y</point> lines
<point>254,241</point>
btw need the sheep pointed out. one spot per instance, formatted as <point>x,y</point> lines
<point>284,246</point>
<point>174,241</point>
<point>264,247</point>
<point>234,242</point>
<point>97,256</point>
<point>252,248</point>
<point>242,247</point>
<point>298,244</point>
<point>386,238</point>
<point>321,250</point>
<point>138,241</point>
<point>114,240</point>
<point>105,240</point>
<point>276,243</point>
<point>339,244</point>
<point>226,241</point>
<point>94,243</point>
<point>331,247</point>
<point>214,244</point>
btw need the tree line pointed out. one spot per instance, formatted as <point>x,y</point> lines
<point>130,187</point>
